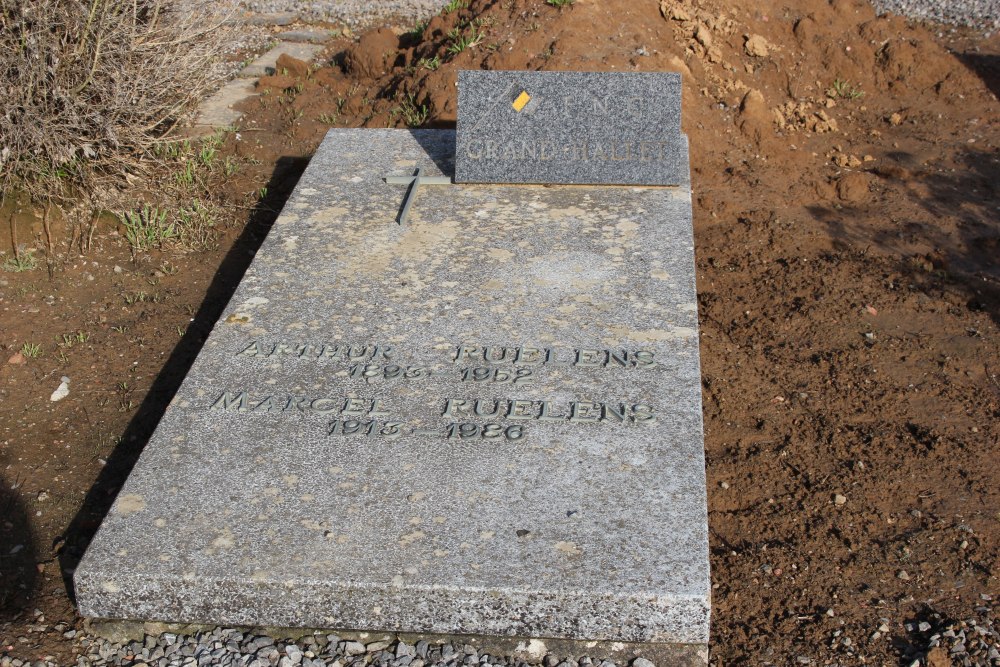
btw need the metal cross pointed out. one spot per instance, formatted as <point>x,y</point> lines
<point>414,182</point>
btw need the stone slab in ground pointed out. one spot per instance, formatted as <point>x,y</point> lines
<point>311,36</point>
<point>485,422</point>
<point>609,128</point>
<point>217,111</point>
<point>274,18</point>
<point>266,64</point>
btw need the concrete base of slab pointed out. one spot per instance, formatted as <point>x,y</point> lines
<point>529,650</point>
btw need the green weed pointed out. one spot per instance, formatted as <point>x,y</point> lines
<point>71,339</point>
<point>23,260</point>
<point>560,3</point>
<point>461,41</point>
<point>140,297</point>
<point>454,5</point>
<point>429,63</point>
<point>195,227</point>
<point>413,115</point>
<point>172,149</point>
<point>124,392</point>
<point>845,90</point>
<point>418,29</point>
<point>230,166</point>
<point>31,350</point>
<point>186,175</point>
<point>207,155</point>
<point>147,228</point>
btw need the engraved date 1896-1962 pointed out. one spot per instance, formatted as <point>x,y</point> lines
<point>518,376</point>
<point>453,431</point>
<point>389,372</point>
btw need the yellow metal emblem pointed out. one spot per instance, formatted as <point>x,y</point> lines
<point>521,101</point>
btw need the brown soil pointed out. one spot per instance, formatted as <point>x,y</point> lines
<point>846,173</point>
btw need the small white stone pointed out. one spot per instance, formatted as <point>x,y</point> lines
<point>62,391</point>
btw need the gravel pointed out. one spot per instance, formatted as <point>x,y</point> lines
<point>351,12</point>
<point>932,640</point>
<point>224,647</point>
<point>973,642</point>
<point>983,14</point>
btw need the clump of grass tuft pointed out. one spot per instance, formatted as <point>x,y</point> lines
<point>22,260</point>
<point>31,350</point>
<point>146,228</point>
<point>196,227</point>
<point>430,64</point>
<point>844,89</point>
<point>460,41</point>
<point>414,115</point>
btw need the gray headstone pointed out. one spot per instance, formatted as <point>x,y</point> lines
<point>485,422</point>
<point>609,128</point>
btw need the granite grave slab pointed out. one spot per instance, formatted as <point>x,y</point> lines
<point>571,128</point>
<point>486,421</point>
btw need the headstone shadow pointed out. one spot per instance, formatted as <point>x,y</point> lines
<point>121,461</point>
<point>441,152</point>
<point>18,568</point>
<point>986,67</point>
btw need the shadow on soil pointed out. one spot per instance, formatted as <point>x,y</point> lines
<point>102,495</point>
<point>18,571</point>
<point>985,66</point>
<point>965,253</point>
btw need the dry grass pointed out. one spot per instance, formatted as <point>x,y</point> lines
<point>89,86</point>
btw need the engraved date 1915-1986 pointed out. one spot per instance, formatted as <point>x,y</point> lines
<point>453,431</point>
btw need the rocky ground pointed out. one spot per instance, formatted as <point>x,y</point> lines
<point>845,170</point>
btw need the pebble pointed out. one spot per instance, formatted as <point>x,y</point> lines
<point>353,648</point>
<point>62,391</point>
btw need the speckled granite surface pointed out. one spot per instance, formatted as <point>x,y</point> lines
<point>485,422</point>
